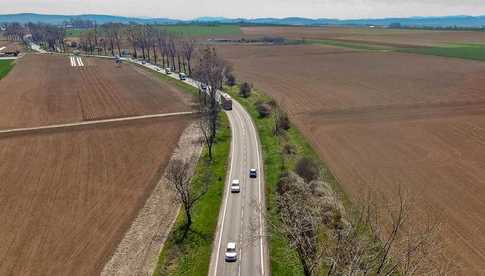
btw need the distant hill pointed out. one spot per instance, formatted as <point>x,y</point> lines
<point>100,19</point>
<point>445,21</point>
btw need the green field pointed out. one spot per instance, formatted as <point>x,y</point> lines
<point>345,44</point>
<point>183,30</point>
<point>464,51</point>
<point>203,30</point>
<point>74,32</point>
<point>5,67</point>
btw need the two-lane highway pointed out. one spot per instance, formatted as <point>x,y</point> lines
<point>241,219</point>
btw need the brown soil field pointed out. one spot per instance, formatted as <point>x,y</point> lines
<point>377,35</point>
<point>381,120</point>
<point>68,196</point>
<point>10,46</point>
<point>46,89</point>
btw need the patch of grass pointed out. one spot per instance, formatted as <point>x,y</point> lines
<point>191,256</point>
<point>349,45</point>
<point>203,30</point>
<point>5,67</point>
<point>463,51</point>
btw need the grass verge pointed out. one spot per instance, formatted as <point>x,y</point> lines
<point>283,259</point>
<point>191,256</point>
<point>5,67</point>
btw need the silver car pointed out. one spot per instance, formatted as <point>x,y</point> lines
<point>235,186</point>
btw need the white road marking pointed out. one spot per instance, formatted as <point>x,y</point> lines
<point>225,204</point>
<point>95,122</point>
<point>73,62</point>
<point>80,61</point>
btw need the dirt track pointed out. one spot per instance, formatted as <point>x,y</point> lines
<point>10,46</point>
<point>44,90</point>
<point>377,35</point>
<point>386,119</point>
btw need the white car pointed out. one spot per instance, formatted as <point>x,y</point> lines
<point>235,186</point>
<point>168,71</point>
<point>231,252</point>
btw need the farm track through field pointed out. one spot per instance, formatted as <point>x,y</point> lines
<point>92,123</point>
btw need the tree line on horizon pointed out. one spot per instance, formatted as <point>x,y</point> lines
<point>147,42</point>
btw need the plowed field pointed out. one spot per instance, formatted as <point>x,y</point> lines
<point>43,90</point>
<point>376,35</point>
<point>387,119</point>
<point>67,197</point>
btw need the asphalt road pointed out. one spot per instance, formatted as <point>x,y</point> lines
<point>240,219</point>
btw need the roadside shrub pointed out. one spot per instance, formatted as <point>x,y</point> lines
<point>273,103</point>
<point>230,79</point>
<point>245,90</point>
<point>281,122</point>
<point>264,109</point>
<point>289,149</point>
<point>308,169</point>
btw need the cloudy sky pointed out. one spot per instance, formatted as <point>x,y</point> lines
<point>186,9</point>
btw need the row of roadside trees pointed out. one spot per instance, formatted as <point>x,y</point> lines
<point>148,42</point>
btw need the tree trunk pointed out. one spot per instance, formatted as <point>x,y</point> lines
<point>178,59</point>
<point>134,52</point>
<point>173,63</point>
<point>190,68</point>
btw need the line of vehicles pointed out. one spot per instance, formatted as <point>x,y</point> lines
<point>223,98</point>
<point>231,252</point>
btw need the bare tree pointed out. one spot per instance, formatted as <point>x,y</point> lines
<point>386,237</point>
<point>210,72</point>
<point>161,39</point>
<point>188,49</point>
<point>376,238</point>
<point>300,215</point>
<point>172,50</point>
<point>186,193</point>
<point>132,35</point>
<point>281,121</point>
